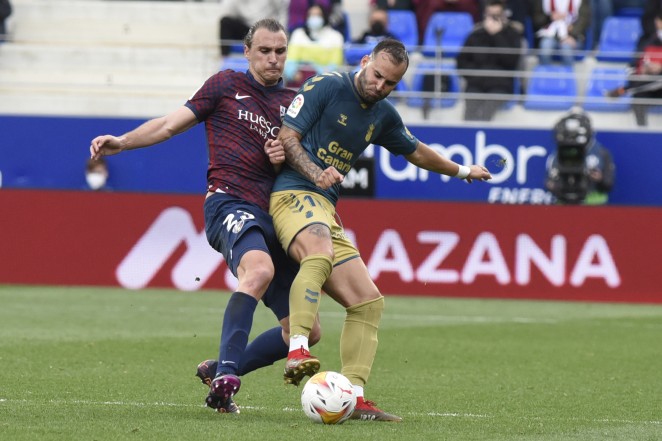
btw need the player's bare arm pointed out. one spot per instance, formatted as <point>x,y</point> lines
<point>149,133</point>
<point>428,159</point>
<point>298,158</point>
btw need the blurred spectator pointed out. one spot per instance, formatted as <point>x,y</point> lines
<point>298,11</point>
<point>5,11</point>
<point>516,10</point>
<point>314,48</point>
<point>495,44</point>
<point>378,28</point>
<point>238,16</point>
<point>649,63</point>
<point>650,10</point>
<point>392,4</point>
<point>96,175</point>
<point>600,10</point>
<point>425,8</point>
<point>562,27</point>
<point>582,169</point>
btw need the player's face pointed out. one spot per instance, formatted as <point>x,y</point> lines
<point>267,55</point>
<point>378,77</point>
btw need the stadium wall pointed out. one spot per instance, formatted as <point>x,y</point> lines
<point>410,247</point>
<point>50,152</point>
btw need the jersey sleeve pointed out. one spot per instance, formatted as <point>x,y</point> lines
<point>307,107</point>
<point>396,138</point>
<point>205,100</point>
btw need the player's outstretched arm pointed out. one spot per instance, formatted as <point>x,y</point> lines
<point>149,133</point>
<point>298,159</point>
<point>428,159</point>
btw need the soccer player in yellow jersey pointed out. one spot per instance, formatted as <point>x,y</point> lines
<point>330,122</point>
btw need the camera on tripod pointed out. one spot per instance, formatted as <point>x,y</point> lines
<point>572,133</point>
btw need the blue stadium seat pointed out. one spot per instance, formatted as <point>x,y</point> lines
<point>618,39</point>
<point>354,52</point>
<point>447,31</point>
<point>402,24</point>
<point>428,67</point>
<point>602,80</point>
<point>240,64</point>
<point>551,87</point>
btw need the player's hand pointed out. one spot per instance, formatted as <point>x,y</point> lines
<point>275,151</point>
<point>105,145</point>
<point>479,173</point>
<point>328,177</point>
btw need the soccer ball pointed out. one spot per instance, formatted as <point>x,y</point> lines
<point>328,397</point>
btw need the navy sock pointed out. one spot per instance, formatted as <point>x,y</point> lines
<point>237,323</point>
<point>266,349</point>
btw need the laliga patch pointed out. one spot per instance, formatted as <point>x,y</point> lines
<point>296,106</point>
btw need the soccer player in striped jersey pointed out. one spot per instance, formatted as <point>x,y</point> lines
<point>330,122</point>
<point>241,111</point>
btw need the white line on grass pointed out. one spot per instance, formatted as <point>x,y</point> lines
<point>454,318</point>
<point>291,409</point>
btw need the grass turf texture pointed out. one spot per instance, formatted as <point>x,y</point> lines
<point>111,364</point>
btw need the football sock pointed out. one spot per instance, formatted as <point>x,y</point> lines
<point>237,323</point>
<point>299,341</point>
<point>305,293</point>
<point>358,341</point>
<point>358,390</point>
<point>265,349</point>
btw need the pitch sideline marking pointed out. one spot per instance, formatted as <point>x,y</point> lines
<point>290,409</point>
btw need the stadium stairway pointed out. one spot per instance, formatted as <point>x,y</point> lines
<point>117,58</point>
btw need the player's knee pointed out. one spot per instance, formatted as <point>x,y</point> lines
<point>370,310</point>
<point>256,277</point>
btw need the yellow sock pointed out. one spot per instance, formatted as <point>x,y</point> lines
<point>305,293</point>
<point>358,342</point>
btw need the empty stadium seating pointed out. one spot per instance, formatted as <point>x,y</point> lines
<point>430,67</point>
<point>403,25</point>
<point>602,80</point>
<point>618,39</point>
<point>551,87</point>
<point>446,31</point>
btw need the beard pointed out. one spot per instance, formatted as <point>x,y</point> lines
<point>363,92</point>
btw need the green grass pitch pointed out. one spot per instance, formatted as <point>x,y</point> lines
<point>111,364</point>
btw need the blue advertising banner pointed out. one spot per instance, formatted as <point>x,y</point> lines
<point>50,152</point>
<point>516,158</point>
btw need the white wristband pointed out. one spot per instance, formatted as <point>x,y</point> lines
<point>463,172</point>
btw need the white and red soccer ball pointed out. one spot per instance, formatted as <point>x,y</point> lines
<point>328,397</point>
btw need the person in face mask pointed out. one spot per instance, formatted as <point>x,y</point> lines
<point>96,175</point>
<point>378,28</point>
<point>314,48</point>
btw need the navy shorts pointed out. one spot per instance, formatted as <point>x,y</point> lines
<point>233,227</point>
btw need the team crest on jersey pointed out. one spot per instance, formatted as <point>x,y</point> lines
<point>342,119</point>
<point>296,106</point>
<point>283,109</point>
<point>368,135</point>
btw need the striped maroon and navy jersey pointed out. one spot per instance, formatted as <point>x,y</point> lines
<point>240,115</point>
